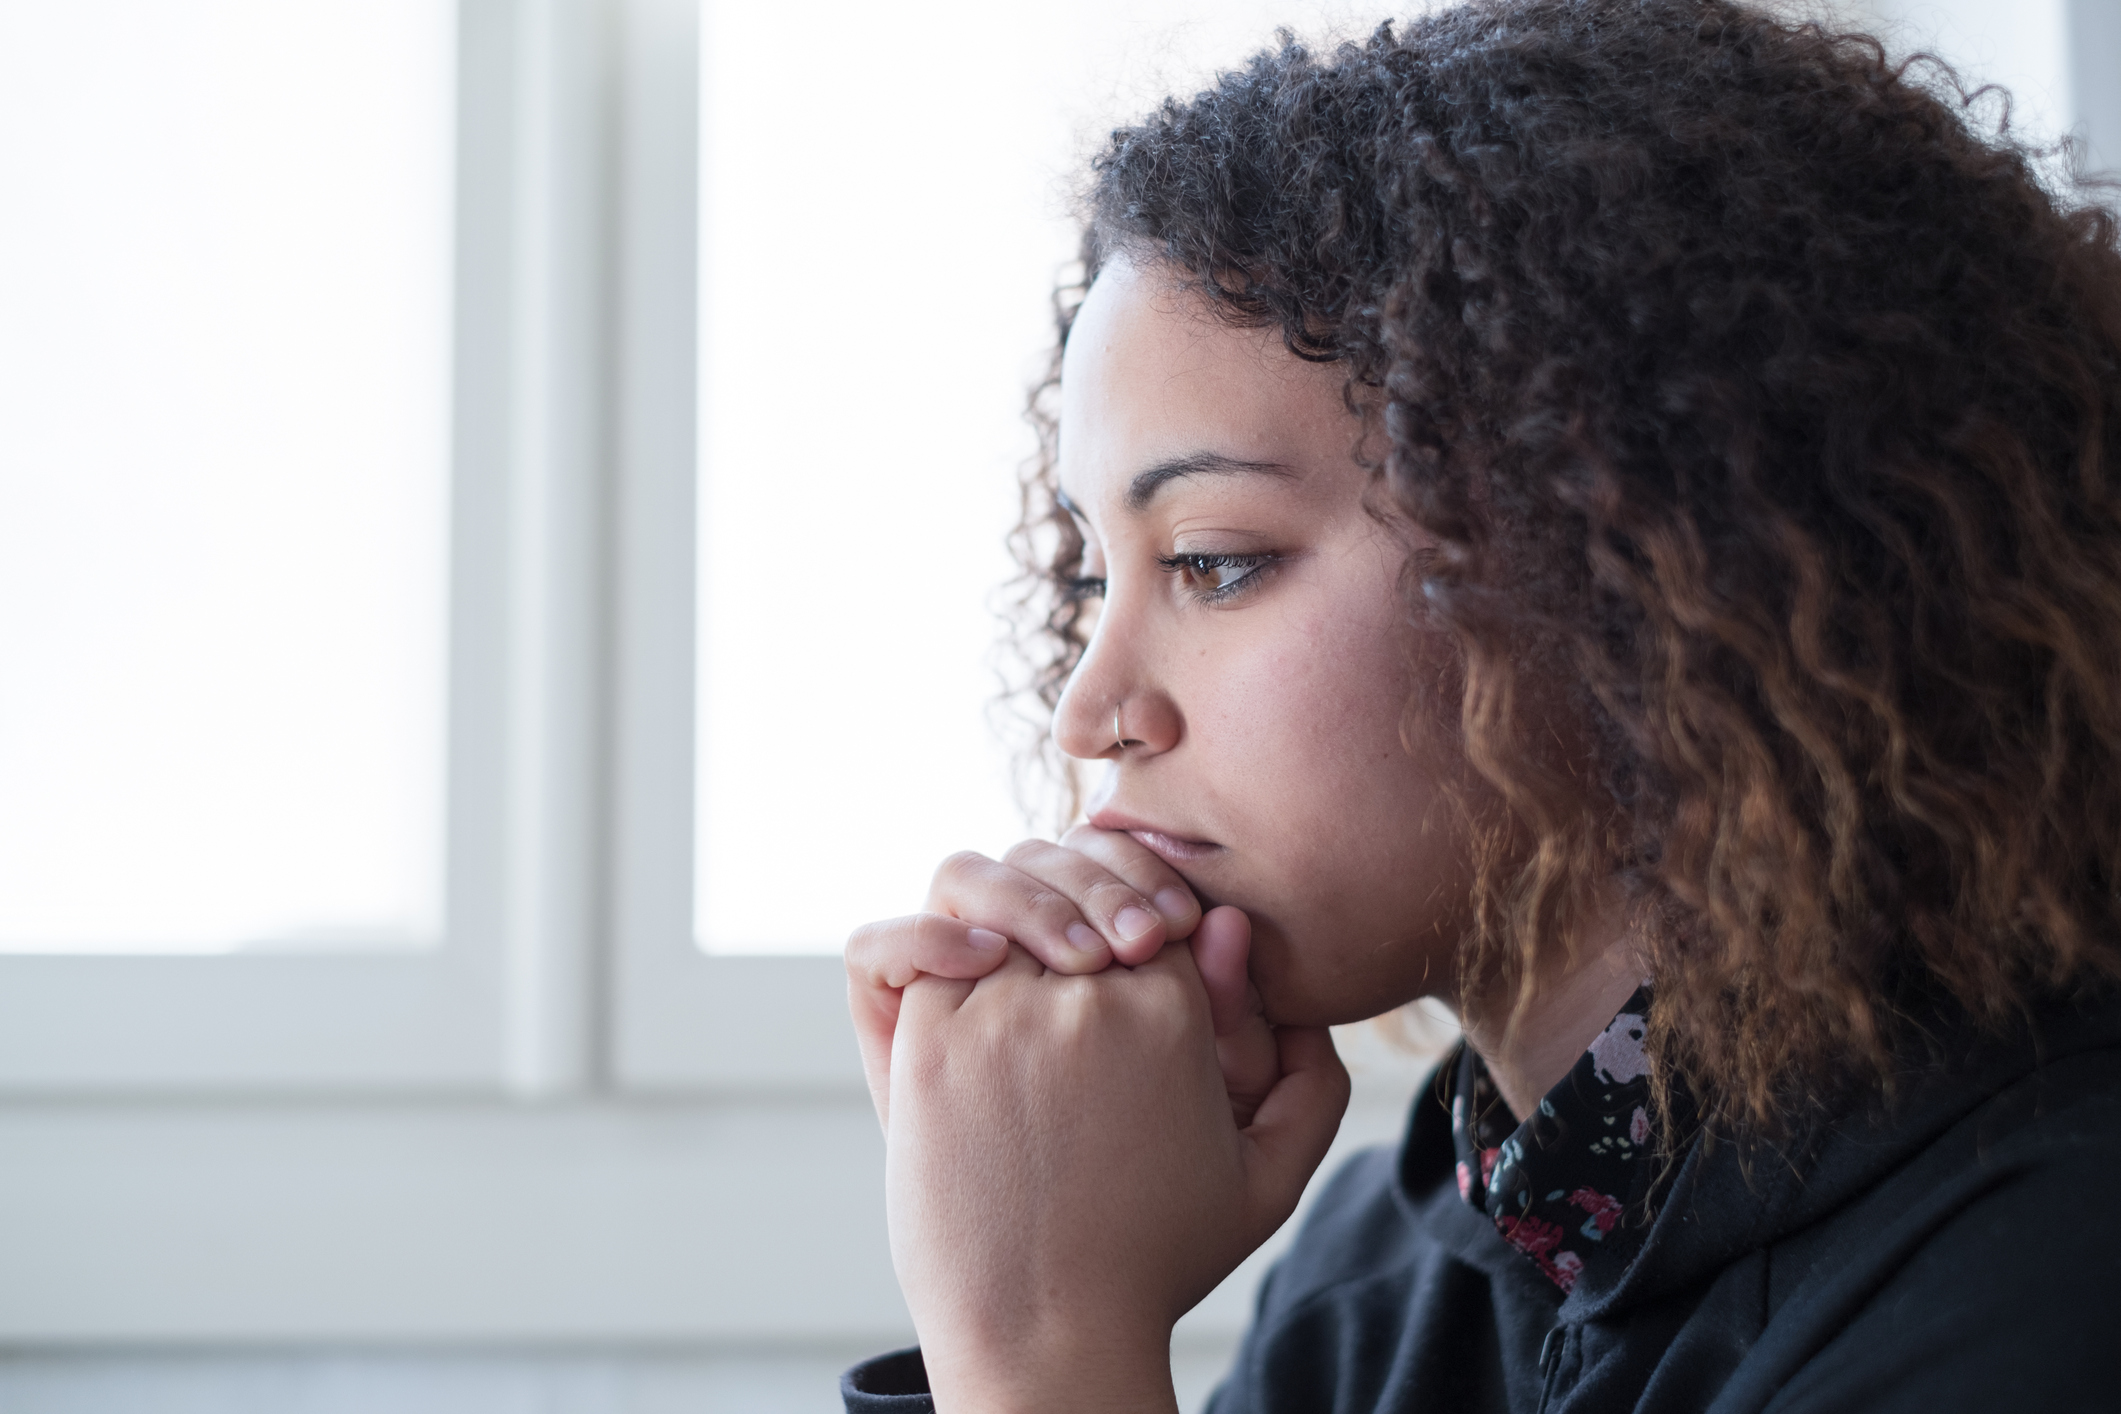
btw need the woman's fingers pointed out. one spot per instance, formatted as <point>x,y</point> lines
<point>1067,910</point>
<point>1244,1042</point>
<point>1222,946</point>
<point>1145,870</point>
<point>1296,1122</point>
<point>930,999</point>
<point>883,958</point>
<point>1126,918</point>
<point>1072,909</point>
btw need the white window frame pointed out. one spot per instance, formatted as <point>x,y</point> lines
<point>264,1150</point>
<point>681,1019</point>
<point>567,962</point>
<point>498,1003</point>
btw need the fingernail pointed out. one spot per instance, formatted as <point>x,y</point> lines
<point>986,939</point>
<point>1134,922</point>
<point>1084,937</point>
<point>1174,904</point>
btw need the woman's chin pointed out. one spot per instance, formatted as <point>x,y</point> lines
<point>1298,999</point>
<point>1332,983</point>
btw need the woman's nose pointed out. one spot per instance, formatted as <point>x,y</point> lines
<point>1101,717</point>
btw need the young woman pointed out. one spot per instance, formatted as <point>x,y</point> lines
<point>1605,512</point>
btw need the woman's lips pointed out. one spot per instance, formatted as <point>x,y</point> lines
<point>1174,849</point>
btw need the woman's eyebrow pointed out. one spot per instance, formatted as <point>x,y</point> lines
<point>1149,482</point>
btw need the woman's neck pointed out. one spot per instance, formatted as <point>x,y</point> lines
<point>1528,1054</point>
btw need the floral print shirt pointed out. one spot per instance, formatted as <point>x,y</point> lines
<point>1577,1178</point>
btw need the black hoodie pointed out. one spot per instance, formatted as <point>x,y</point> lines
<point>1959,1249</point>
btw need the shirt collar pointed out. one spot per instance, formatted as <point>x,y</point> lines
<point>1576,1180</point>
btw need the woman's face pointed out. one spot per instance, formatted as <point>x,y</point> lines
<point>1254,650</point>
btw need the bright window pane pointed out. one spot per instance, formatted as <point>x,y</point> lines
<point>224,379</point>
<point>884,193</point>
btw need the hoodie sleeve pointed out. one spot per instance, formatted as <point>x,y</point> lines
<point>889,1384</point>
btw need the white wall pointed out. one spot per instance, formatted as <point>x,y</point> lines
<point>2023,45</point>
<point>604,1382</point>
<point>279,1258</point>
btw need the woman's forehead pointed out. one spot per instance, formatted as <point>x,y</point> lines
<point>1156,388</point>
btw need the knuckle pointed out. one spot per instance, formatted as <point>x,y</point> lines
<point>867,941</point>
<point>1024,851</point>
<point>1074,1007</point>
<point>1080,835</point>
<point>963,864</point>
<point>1050,907</point>
<point>932,930</point>
<point>1167,995</point>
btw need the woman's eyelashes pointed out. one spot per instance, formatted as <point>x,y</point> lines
<point>1216,578</point>
<point>1085,579</point>
<point>1082,586</point>
<point>1208,578</point>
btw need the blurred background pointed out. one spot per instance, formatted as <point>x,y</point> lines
<point>501,509</point>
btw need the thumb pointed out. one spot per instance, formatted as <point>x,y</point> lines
<point>883,959</point>
<point>1222,946</point>
<point>1244,1043</point>
<point>1295,1124</point>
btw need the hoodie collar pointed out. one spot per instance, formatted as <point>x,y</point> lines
<point>1729,1196</point>
<point>1687,1217</point>
<point>1575,1182</point>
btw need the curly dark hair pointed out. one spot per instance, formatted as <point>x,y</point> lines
<point>1765,400</point>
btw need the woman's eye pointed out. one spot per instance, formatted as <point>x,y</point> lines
<point>1076,588</point>
<point>1215,577</point>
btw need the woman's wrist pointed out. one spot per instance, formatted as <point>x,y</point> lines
<point>1078,1376</point>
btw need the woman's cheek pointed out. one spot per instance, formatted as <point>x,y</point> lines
<point>1339,881</point>
<point>1363,904</point>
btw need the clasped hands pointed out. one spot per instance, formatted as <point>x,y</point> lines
<point>1077,1152</point>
